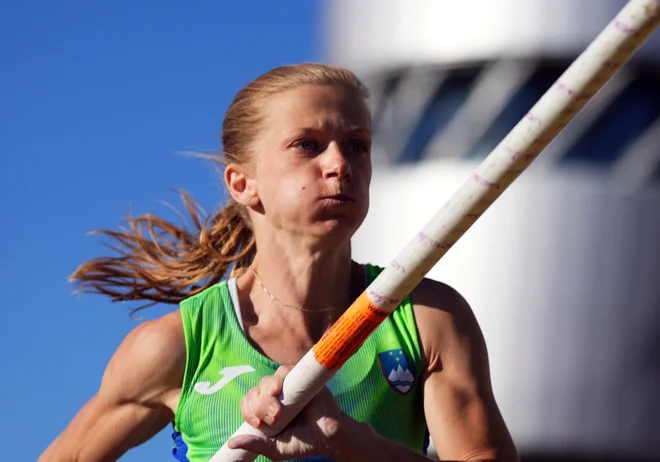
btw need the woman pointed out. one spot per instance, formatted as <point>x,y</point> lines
<point>297,146</point>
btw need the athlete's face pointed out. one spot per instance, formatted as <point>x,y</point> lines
<point>312,162</point>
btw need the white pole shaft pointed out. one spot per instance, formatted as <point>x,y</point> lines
<point>556,108</point>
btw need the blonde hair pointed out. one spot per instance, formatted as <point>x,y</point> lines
<point>159,262</point>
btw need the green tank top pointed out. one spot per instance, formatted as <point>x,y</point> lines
<point>380,384</point>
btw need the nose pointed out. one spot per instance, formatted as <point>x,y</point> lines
<point>335,163</point>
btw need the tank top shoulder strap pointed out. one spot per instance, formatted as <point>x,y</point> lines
<point>205,316</point>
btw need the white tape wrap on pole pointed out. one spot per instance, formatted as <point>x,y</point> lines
<point>556,108</point>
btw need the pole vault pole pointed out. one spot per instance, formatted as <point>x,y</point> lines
<point>556,108</point>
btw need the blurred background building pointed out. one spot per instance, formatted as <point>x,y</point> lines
<point>563,272</point>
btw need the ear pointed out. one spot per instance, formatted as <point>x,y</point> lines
<point>241,187</point>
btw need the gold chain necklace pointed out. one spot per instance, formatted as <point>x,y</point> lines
<point>295,307</point>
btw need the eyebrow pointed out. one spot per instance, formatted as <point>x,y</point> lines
<point>351,128</point>
<point>359,130</point>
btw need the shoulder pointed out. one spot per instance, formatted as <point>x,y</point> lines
<point>212,296</point>
<point>157,339</point>
<point>448,329</point>
<point>203,311</point>
<point>213,292</point>
<point>439,300</point>
<point>149,363</point>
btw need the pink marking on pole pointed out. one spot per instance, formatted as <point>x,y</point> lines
<point>532,118</point>
<point>515,154</point>
<point>379,298</point>
<point>563,88</point>
<point>485,183</point>
<point>625,29</point>
<point>398,266</point>
<point>428,240</point>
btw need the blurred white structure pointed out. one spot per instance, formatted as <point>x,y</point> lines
<point>563,272</point>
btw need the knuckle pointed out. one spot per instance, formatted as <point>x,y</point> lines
<point>284,369</point>
<point>244,408</point>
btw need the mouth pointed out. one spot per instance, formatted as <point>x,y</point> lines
<point>338,198</point>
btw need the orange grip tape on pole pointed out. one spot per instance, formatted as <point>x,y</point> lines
<point>349,332</point>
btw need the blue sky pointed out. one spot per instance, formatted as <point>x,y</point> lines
<point>97,98</point>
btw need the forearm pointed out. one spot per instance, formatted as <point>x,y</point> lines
<point>50,452</point>
<point>356,441</point>
<point>60,451</point>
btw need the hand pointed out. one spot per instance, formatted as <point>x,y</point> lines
<point>308,434</point>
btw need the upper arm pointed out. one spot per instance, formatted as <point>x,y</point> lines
<point>133,402</point>
<point>461,412</point>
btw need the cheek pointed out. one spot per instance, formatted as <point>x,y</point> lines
<point>286,193</point>
<point>301,191</point>
<point>300,183</point>
<point>365,177</point>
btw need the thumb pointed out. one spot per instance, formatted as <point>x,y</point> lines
<point>257,444</point>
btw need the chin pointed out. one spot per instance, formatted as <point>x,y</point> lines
<point>336,225</point>
<point>335,230</point>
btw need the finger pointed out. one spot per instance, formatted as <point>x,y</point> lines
<point>282,371</point>
<point>256,444</point>
<point>324,410</point>
<point>261,408</point>
<point>271,385</point>
<point>247,413</point>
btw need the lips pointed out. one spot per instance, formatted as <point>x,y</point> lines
<point>338,197</point>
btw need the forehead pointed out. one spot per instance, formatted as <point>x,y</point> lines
<point>318,107</point>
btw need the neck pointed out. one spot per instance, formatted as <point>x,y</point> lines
<point>301,271</point>
<point>312,281</point>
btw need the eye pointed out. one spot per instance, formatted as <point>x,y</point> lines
<point>357,147</point>
<point>310,146</point>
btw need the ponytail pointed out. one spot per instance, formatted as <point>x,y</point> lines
<point>159,262</point>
